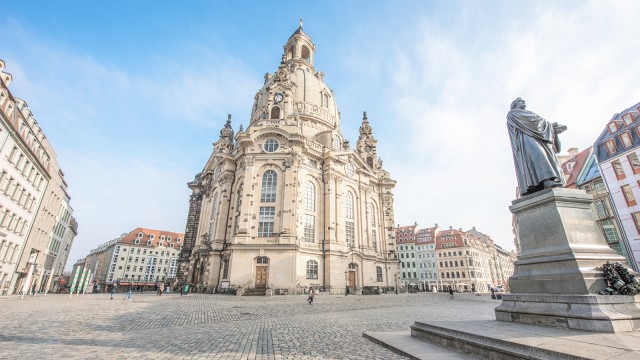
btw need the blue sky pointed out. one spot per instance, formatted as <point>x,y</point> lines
<point>133,94</point>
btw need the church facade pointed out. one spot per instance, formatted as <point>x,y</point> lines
<point>286,204</point>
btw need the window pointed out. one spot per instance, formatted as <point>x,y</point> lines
<point>625,138</point>
<point>612,127</point>
<point>265,222</point>
<point>271,145</point>
<point>348,206</point>
<point>325,100</point>
<point>140,234</point>
<point>374,241</point>
<point>312,269</point>
<point>310,197</point>
<point>305,54</point>
<point>262,260</point>
<point>269,183</point>
<point>601,208</point>
<point>336,142</point>
<point>148,242</point>
<point>634,162</point>
<point>609,230</point>
<point>275,112</point>
<point>137,241</point>
<point>378,274</point>
<point>349,169</point>
<point>628,195</point>
<point>225,268</point>
<point>627,119</point>
<point>214,210</point>
<point>350,233</point>
<point>617,168</point>
<point>309,228</point>
<point>611,146</point>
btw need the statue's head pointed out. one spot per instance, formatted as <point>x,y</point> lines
<point>518,103</point>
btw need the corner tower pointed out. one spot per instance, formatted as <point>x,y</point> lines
<point>286,204</point>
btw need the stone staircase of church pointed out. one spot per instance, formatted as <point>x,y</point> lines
<point>254,292</point>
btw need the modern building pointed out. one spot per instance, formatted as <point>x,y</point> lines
<point>32,193</point>
<point>287,204</point>
<point>617,152</point>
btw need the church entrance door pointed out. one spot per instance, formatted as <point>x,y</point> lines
<point>261,277</point>
<point>352,280</point>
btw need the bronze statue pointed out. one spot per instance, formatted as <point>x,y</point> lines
<point>534,142</point>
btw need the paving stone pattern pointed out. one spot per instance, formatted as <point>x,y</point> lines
<point>201,326</point>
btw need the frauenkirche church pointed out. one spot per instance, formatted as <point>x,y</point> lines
<point>286,204</point>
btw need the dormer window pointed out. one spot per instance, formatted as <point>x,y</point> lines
<point>625,138</point>
<point>137,241</point>
<point>151,236</point>
<point>168,238</point>
<point>570,166</point>
<point>612,127</point>
<point>611,146</point>
<point>627,119</point>
<point>178,240</point>
<point>148,242</point>
<point>162,237</point>
<point>161,243</point>
<point>140,234</point>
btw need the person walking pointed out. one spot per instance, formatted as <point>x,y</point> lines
<point>312,293</point>
<point>160,288</point>
<point>129,290</point>
<point>185,291</point>
<point>451,292</point>
<point>113,290</point>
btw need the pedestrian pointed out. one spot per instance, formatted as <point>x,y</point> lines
<point>185,291</point>
<point>129,290</point>
<point>312,293</point>
<point>113,290</point>
<point>160,288</point>
<point>451,292</point>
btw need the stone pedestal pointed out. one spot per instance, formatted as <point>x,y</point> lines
<point>556,282</point>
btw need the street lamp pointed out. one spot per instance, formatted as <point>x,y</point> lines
<point>396,277</point>
<point>346,284</point>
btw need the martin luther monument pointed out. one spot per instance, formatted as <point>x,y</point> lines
<point>557,275</point>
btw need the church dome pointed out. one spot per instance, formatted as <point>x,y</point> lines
<point>296,89</point>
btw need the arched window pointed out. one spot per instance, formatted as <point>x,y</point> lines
<point>336,142</point>
<point>269,183</point>
<point>310,197</point>
<point>275,112</point>
<point>348,205</point>
<point>305,53</point>
<point>214,209</point>
<point>378,274</point>
<point>325,100</point>
<point>312,269</point>
<point>262,260</point>
<point>238,206</point>
<point>349,227</point>
<point>370,161</point>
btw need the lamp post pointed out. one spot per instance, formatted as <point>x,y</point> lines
<point>346,284</point>
<point>396,277</point>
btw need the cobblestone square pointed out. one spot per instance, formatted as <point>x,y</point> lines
<point>200,326</point>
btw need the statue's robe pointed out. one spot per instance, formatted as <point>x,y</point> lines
<point>534,144</point>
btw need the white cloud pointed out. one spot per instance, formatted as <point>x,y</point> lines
<point>574,66</point>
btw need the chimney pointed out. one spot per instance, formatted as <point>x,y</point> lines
<point>573,151</point>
